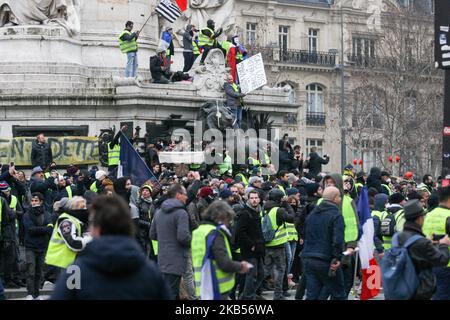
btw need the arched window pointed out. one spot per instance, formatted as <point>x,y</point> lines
<point>315,98</point>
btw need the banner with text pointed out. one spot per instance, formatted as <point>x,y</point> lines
<point>251,73</point>
<point>66,150</point>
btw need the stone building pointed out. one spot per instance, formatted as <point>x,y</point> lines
<point>58,81</point>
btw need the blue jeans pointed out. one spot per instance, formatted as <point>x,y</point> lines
<point>317,281</point>
<point>132,65</point>
<point>290,251</point>
<point>443,283</point>
<point>237,112</point>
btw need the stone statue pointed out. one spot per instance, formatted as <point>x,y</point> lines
<point>215,115</point>
<point>65,13</point>
<point>199,11</point>
<point>210,77</point>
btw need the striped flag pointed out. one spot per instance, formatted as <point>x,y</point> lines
<point>168,10</point>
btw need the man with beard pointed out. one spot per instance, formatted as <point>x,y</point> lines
<point>68,238</point>
<point>427,184</point>
<point>38,229</point>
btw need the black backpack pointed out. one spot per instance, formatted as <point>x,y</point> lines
<point>389,224</point>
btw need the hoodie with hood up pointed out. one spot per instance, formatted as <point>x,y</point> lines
<point>380,201</point>
<point>113,268</point>
<point>170,227</point>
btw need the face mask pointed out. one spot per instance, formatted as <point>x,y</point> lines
<point>236,41</point>
<point>388,180</point>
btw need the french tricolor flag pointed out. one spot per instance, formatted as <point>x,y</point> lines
<point>369,267</point>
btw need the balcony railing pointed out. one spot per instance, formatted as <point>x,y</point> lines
<point>388,63</point>
<point>315,118</point>
<point>275,54</point>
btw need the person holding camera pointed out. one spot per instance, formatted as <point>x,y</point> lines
<point>315,162</point>
<point>323,247</point>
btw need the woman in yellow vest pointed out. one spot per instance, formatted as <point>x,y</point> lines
<point>211,254</point>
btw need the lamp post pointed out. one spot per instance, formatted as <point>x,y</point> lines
<point>343,121</point>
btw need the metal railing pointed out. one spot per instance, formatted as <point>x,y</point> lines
<point>315,118</point>
<point>388,63</point>
<point>290,56</point>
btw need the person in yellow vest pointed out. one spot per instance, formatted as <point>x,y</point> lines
<point>280,213</point>
<point>241,176</point>
<point>128,45</point>
<point>234,98</point>
<point>114,151</point>
<point>212,239</point>
<point>97,184</point>
<point>69,236</point>
<point>65,190</point>
<point>437,226</point>
<point>323,247</point>
<point>283,181</point>
<point>226,167</point>
<point>428,256</point>
<point>379,213</point>
<point>394,211</point>
<point>14,204</point>
<point>207,39</point>
<point>386,183</point>
<point>351,231</point>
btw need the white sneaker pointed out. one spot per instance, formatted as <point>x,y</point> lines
<point>38,298</point>
<point>29,297</point>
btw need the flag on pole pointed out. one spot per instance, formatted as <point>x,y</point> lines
<point>182,4</point>
<point>209,285</point>
<point>132,165</point>
<point>366,248</point>
<point>168,10</point>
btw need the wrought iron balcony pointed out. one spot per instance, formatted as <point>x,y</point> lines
<point>275,54</point>
<point>315,118</point>
<point>387,63</point>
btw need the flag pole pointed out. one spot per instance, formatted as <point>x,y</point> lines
<point>151,15</point>
<point>355,291</point>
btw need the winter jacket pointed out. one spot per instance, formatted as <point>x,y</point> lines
<point>60,193</point>
<point>113,268</point>
<point>316,162</point>
<point>155,68</point>
<point>170,227</point>
<point>37,228</point>
<point>424,256</point>
<point>233,97</point>
<point>7,232</point>
<point>286,160</point>
<point>249,233</point>
<point>41,154</point>
<point>45,187</point>
<point>187,39</point>
<point>310,206</point>
<point>324,233</point>
<point>145,207</point>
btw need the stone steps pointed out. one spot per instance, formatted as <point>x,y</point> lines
<point>56,91</point>
<point>21,293</point>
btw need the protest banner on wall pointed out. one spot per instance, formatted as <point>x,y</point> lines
<point>251,73</point>
<point>66,150</point>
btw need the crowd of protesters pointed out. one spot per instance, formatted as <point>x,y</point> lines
<point>150,241</point>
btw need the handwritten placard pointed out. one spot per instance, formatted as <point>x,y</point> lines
<point>251,73</point>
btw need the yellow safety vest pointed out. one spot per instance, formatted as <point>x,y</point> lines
<point>243,179</point>
<point>93,187</point>
<point>281,235</point>
<point>254,162</point>
<point>435,223</point>
<point>69,192</point>
<point>204,40</point>
<point>399,218</point>
<point>292,232</point>
<point>387,188</point>
<point>127,46</point>
<point>113,155</point>
<point>198,247</point>
<point>350,221</point>
<point>13,203</point>
<point>282,189</point>
<point>226,45</point>
<point>47,175</point>
<point>226,166</point>
<point>58,254</point>
<point>196,50</point>
<point>155,247</point>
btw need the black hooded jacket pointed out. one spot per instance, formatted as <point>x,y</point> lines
<point>113,268</point>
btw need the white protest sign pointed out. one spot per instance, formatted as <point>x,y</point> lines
<point>251,73</point>
<point>181,157</point>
